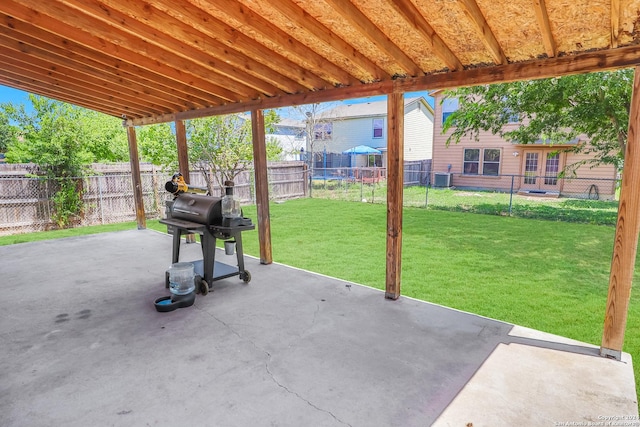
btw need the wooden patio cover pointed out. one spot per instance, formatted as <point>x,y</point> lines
<point>152,61</point>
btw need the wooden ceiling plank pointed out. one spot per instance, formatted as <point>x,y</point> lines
<point>71,77</point>
<point>26,32</point>
<point>36,86</point>
<point>210,25</point>
<point>303,20</point>
<point>78,89</point>
<point>487,37</point>
<point>110,24</point>
<point>21,84</point>
<point>615,22</point>
<point>536,69</point>
<point>319,65</point>
<point>46,59</point>
<point>140,53</point>
<point>545,27</point>
<point>376,36</point>
<point>236,66</point>
<point>412,15</point>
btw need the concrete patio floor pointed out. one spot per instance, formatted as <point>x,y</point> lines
<point>82,345</point>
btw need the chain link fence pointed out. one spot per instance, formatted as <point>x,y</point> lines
<point>575,199</point>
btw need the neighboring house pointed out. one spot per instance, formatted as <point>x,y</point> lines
<point>365,124</point>
<point>490,163</point>
<point>291,136</point>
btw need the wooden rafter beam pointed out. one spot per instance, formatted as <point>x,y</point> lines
<point>70,80</point>
<point>615,22</point>
<point>236,66</point>
<point>73,53</point>
<point>27,85</point>
<point>24,12</point>
<point>109,24</point>
<point>545,27</point>
<point>489,40</point>
<point>302,19</point>
<point>246,17</point>
<point>538,69</point>
<point>412,15</point>
<point>358,20</point>
<point>281,66</point>
<point>54,63</point>
<point>46,84</point>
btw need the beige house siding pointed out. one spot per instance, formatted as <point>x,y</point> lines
<point>418,132</point>
<point>450,159</point>
<point>352,125</point>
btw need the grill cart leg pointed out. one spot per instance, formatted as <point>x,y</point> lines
<point>208,255</point>
<point>244,274</point>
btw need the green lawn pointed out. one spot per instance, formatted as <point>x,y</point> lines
<point>600,212</point>
<point>547,275</point>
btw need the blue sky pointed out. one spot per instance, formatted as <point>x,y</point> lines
<point>16,96</point>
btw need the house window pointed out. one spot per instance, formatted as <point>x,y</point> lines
<point>491,161</point>
<point>481,161</point>
<point>471,164</point>
<point>378,128</point>
<point>322,131</point>
<point>449,105</point>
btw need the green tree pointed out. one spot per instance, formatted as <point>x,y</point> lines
<point>157,145</point>
<point>62,140</point>
<point>553,110</point>
<point>7,130</point>
<point>223,145</point>
<point>105,137</point>
<point>52,138</point>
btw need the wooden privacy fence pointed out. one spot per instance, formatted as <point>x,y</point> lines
<point>26,206</point>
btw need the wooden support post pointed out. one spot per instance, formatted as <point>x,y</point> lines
<point>183,154</point>
<point>262,185</point>
<point>626,239</point>
<point>395,172</point>
<point>183,163</point>
<point>135,176</point>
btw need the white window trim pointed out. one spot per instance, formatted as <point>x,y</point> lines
<point>481,162</point>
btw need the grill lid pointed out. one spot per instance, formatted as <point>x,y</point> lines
<point>197,208</point>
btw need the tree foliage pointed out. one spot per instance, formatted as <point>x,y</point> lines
<point>157,145</point>
<point>61,140</point>
<point>7,131</point>
<point>223,145</point>
<point>554,111</point>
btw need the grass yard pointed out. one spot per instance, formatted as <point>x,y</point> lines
<point>601,212</point>
<point>547,275</point>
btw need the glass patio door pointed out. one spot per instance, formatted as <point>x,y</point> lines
<point>540,171</point>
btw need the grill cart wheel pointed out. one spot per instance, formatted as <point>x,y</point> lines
<point>245,276</point>
<point>201,285</point>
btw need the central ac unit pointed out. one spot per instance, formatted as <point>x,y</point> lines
<point>442,180</point>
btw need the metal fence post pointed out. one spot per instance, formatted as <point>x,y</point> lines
<point>511,194</point>
<point>100,200</point>
<point>426,191</point>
